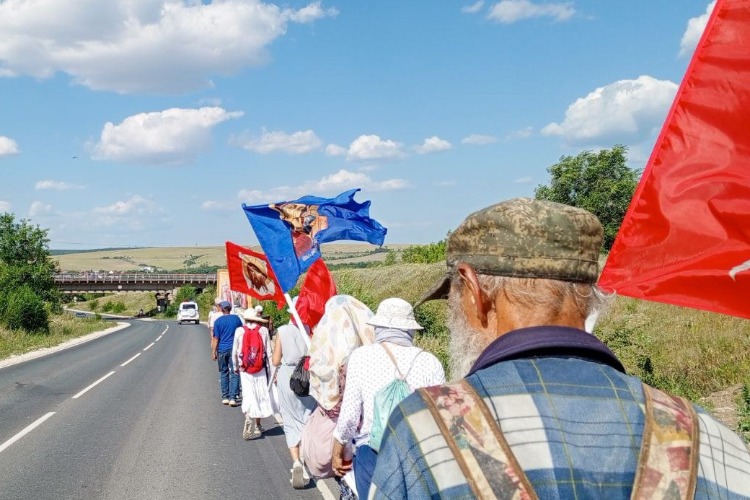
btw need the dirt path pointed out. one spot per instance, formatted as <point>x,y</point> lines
<point>724,405</point>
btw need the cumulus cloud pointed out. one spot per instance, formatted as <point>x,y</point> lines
<point>473,8</point>
<point>172,136</point>
<point>621,112</point>
<point>8,146</point>
<point>5,206</point>
<point>694,31</point>
<point>39,208</point>
<point>479,140</point>
<point>56,185</point>
<point>372,147</point>
<point>510,11</point>
<point>270,142</point>
<point>523,133</point>
<point>329,185</point>
<point>523,180</point>
<point>133,213</point>
<point>335,150</point>
<point>433,144</point>
<point>219,206</point>
<point>145,46</point>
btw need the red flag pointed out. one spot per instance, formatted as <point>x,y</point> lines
<point>685,239</point>
<point>317,288</point>
<point>250,273</point>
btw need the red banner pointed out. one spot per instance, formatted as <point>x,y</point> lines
<point>250,273</point>
<point>317,288</point>
<point>685,239</point>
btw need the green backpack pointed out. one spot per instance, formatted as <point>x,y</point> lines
<point>386,399</point>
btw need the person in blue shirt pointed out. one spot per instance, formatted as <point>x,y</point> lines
<point>221,351</point>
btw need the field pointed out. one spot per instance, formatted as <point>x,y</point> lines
<point>174,258</point>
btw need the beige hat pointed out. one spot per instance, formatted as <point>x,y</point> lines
<point>395,313</point>
<point>252,315</point>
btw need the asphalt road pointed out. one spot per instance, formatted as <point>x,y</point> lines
<point>151,429</point>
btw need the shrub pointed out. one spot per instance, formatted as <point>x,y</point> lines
<point>107,307</point>
<point>118,307</point>
<point>25,310</point>
<point>94,305</point>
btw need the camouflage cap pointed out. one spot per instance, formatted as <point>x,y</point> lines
<point>525,238</point>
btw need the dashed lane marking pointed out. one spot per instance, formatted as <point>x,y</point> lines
<point>93,385</point>
<point>25,431</point>
<point>131,359</point>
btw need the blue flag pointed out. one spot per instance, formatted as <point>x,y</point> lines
<point>291,232</point>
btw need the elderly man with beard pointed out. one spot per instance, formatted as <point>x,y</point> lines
<point>545,409</point>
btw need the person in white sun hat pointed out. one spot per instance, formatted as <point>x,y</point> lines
<point>371,368</point>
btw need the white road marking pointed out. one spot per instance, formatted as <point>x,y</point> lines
<point>131,359</point>
<point>25,431</point>
<point>324,490</point>
<point>165,330</point>
<point>149,346</point>
<point>93,385</point>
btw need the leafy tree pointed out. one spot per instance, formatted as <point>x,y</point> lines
<point>599,182</point>
<point>425,254</point>
<point>25,310</point>
<point>25,261</point>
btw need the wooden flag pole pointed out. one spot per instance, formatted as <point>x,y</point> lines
<point>297,319</point>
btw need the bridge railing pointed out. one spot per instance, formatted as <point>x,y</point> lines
<point>134,278</point>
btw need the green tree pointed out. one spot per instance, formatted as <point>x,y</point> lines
<point>425,254</point>
<point>25,261</point>
<point>599,182</point>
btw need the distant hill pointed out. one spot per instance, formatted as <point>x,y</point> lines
<point>66,252</point>
<point>174,258</point>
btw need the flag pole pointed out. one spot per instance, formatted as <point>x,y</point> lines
<point>297,319</point>
<point>273,376</point>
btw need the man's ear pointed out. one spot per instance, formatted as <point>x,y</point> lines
<point>480,303</point>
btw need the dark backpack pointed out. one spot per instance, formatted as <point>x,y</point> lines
<point>252,356</point>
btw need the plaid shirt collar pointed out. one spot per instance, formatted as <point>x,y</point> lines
<point>539,341</point>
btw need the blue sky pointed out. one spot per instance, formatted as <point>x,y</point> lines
<point>149,122</point>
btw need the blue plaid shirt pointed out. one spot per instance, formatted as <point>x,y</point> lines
<point>574,422</point>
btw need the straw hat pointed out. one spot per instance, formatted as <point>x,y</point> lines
<point>395,313</point>
<point>252,315</point>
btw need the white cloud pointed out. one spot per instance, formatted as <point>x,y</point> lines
<point>473,8</point>
<point>219,206</point>
<point>479,140</point>
<point>626,111</point>
<point>523,180</point>
<point>5,206</point>
<point>8,146</point>
<point>329,185</point>
<point>172,136</point>
<point>56,185</point>
<point>39,208</point>
<point>523,133</point>
<point>134,213</point>
<point>510,11</point>
<point>433,144</point>
<point>694,31</point>
<point>372,147</point>
<point>270,142</point>
<point>148,46</point>
<point>335,150</point>
<point>446,183</point>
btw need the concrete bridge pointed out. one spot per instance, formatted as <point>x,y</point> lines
<point>135,282</point>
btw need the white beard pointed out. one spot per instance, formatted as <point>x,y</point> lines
<point>465,344</point>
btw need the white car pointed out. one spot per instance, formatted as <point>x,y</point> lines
<point>188,311</point>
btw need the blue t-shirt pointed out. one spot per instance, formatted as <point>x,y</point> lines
<point>224,328</point>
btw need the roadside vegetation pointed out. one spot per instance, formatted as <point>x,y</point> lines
<point>62,327</point>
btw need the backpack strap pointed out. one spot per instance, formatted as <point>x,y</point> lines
<point>477,442</point>
<point>668,463</point>
<point>393,360</point>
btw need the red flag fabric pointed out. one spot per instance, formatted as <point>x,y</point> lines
<point>685,239</point>
<point>250,273</point>
<point>317,288</point>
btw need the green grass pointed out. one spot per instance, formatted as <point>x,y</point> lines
<point>63,327</point>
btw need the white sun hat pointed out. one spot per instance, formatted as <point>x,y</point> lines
<point>252,315</point>
<point>395,313</point>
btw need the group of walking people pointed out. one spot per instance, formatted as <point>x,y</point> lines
<point>540,408</point>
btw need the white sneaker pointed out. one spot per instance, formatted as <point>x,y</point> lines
<point>248,429</point>
<point>298,476</point>
<point>232,402</point>
<point>225,401</point>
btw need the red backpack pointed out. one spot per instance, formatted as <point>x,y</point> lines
<point>253,356</point>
